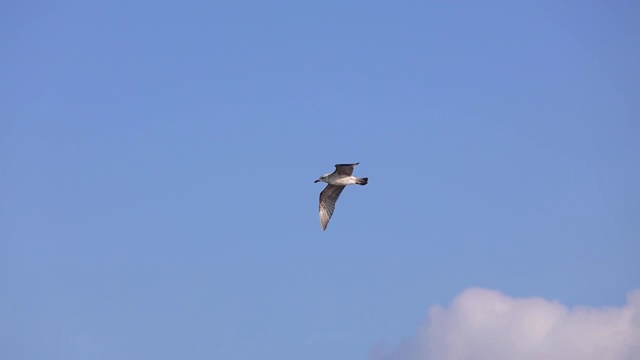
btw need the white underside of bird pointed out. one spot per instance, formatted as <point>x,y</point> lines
<point>335,179</point>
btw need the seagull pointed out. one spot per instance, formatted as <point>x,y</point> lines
<point>337,181</point>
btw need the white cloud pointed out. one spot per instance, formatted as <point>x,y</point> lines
<point>484,324</point>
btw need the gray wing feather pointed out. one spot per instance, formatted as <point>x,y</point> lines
<point>345,169</point>
<point>328,198</point>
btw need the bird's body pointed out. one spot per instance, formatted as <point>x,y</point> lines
<point>341,180</point>
<point>337,180</point>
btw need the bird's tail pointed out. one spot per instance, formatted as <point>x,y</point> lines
<point>362,181</point>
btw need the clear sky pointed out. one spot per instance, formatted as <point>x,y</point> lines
<point>157,161</point>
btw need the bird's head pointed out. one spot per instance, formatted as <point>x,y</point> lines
<point>323,178</point>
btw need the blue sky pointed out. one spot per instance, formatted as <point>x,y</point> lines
<point>157,162</point>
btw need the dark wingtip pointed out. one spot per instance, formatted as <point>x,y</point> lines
<point>358,163</point>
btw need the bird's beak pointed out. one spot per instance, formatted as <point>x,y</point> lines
<point>316,181</point>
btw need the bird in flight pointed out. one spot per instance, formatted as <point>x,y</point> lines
<point>337,181</point>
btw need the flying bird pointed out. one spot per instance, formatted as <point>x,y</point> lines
<point>337,181</point>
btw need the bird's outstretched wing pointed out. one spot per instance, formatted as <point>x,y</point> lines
<point>328,198</point>
<point>345,169</point>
